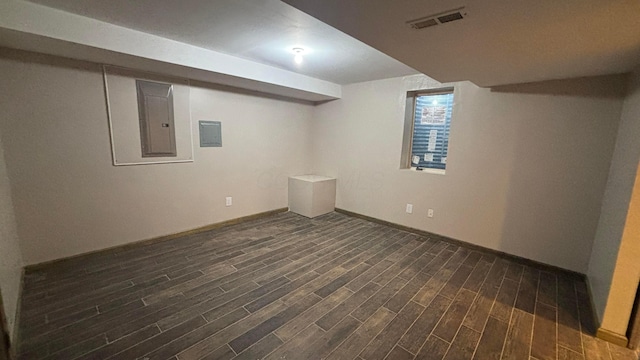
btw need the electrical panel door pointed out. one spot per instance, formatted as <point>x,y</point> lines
<point>155,109</point>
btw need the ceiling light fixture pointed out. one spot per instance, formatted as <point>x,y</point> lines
<point>297,58</point>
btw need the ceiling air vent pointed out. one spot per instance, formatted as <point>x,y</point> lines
<point>436,19</point>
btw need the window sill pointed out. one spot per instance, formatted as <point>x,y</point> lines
<point>426,171</point>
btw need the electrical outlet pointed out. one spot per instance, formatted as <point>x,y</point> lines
<point>229,201</point>
<point>430,213</point>
<point>409,208</point>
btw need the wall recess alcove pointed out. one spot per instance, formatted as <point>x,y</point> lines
<point>149,117</point>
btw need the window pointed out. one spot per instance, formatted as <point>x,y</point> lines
<point>427,126</point>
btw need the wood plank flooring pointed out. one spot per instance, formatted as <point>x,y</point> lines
<point>288,287</point>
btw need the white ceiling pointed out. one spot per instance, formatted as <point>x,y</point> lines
<point>501,41</point>
<point>259,30</point>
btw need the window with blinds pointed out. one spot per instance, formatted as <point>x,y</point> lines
<point>431,124</point>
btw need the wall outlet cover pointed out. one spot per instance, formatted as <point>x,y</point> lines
<point>409,208</point>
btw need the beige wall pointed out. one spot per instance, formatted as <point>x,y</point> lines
<point>614,268</point>
<point>527,166</point>
<point>526,171</point>
<point>10,256</point>
<point>68,197</point>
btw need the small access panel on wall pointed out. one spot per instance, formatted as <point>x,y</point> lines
<point>155,107</point>
<point>210,133</point>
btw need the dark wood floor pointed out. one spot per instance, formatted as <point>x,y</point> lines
<point>287,287</point>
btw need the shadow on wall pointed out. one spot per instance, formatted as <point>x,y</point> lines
<point>241,91</point>
<point>588,87</point>
<point>555,190</point>
<point>48,60</point>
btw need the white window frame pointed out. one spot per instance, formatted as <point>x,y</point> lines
<point>409,122</point>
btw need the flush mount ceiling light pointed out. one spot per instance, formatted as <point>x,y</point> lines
<point>298,52</point>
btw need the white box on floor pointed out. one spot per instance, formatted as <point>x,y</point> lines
<point>312,195</point>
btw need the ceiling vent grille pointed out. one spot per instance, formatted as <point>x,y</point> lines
<point>437,19</point>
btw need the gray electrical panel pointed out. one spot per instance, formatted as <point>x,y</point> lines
<point>155,110</point>
<point>210,133</point>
